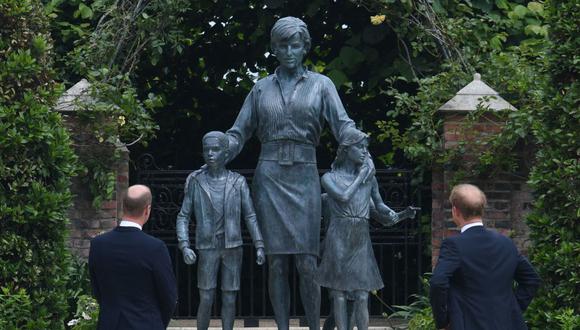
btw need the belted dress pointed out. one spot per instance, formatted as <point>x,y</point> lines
<point>286,184</point>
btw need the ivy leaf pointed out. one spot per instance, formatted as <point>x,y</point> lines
<point>496,41</point>
<point>338,78</point>
<point>502,4</point>
<point>520,11</point>
<point>536,29</point>
<point>438,8</point>
<point>536,7</point>
<point>85,11</point>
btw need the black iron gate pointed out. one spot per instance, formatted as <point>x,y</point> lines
<point>398,250</point>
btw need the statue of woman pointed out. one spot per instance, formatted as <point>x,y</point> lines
<point>287,111</point>
<point>348,267</point>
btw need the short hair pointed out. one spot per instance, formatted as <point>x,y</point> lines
<point>469,199</point>
<point>220,136</point>
<point>134,205</point>
<point>286,27</point>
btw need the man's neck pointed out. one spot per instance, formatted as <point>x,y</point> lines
<point>471,223</point>
<point>127,222</point>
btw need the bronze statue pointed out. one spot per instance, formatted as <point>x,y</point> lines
<point>218,198</point>
<point>287,111</point>
<point>348,267</point>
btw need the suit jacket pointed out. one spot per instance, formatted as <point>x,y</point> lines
<point>197,200</point>
<point>472,284</point>
<point>132,279</point>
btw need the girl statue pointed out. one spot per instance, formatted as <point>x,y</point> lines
<point>348,267</point>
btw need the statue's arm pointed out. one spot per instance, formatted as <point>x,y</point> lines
<point>243,127</point>
<point>336,192</point>
<point>379,210</point>
<point>182,223</point>
<point>333,110</point>
<point>250,214</point>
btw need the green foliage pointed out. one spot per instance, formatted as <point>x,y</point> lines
<point>16,311</point>
<point>87,314</point>
<point>507,45</point>
<point>554,178</point>
<point>36,164</point>
<point>103,41</point>
<point>419,312</point>
<point>78,285</point>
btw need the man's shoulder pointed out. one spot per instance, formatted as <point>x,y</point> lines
<point>103,237</point>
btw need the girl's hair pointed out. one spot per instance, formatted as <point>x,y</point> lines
<point>286,27</point>
<point>349,138</point>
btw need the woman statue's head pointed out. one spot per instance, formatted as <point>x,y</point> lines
<point>353,148</point>
<point>290,41</point>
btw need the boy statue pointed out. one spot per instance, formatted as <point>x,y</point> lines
<point>218,198</point>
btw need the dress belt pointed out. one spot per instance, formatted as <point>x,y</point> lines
<point>351,218</point>
<point>287,152</point>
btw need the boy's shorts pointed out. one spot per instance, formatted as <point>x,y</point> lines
<point>228,262</point>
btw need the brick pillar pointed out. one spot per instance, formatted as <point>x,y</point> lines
<point>509,198</point>
<point>85,221</point>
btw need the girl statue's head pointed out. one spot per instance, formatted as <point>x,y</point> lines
<point>353,148</point>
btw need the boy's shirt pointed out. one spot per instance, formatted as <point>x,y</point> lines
<point>237,202</point>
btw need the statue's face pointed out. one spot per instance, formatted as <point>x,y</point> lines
<point>290,52</point>
<point>214,153</point>
<point>357,152</point>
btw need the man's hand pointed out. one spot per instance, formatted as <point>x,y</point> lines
<point>260,256</point>
<point>189,256</point>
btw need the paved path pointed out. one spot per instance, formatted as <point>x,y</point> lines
<point>374,324</point>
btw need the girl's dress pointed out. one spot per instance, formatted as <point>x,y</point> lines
<point>348,261</point>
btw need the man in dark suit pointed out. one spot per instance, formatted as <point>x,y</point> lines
<point>472,284</point>
<point>131,272</point>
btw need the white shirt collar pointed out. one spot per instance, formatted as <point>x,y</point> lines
<point>126,223</point>
<point>475,224</point>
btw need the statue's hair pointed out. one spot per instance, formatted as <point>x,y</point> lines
<point>222,138</point>
<point>349,138</point>
<point>469,199</point>
<point>286,27</point>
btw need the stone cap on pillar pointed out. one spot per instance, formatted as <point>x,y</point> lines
<point>476,93</point>
<point>70,100</point>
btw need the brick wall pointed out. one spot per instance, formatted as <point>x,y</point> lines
<point>509,197</point>
<point>85,221</point>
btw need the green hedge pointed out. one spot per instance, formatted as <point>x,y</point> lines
<point>36,164</point>
<point>555,179</point>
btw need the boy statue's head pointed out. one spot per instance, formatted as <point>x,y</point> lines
<point>215,149</point>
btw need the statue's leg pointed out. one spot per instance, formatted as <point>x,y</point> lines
<point>207,271</point>
<point>309,289</point>
<point>228,309</point>
<point>204,309</point>
<point>330,322</point>
<point>361,309</point>
<point>339,309</point>
<point>350,313</point>
<point>279,289</point>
